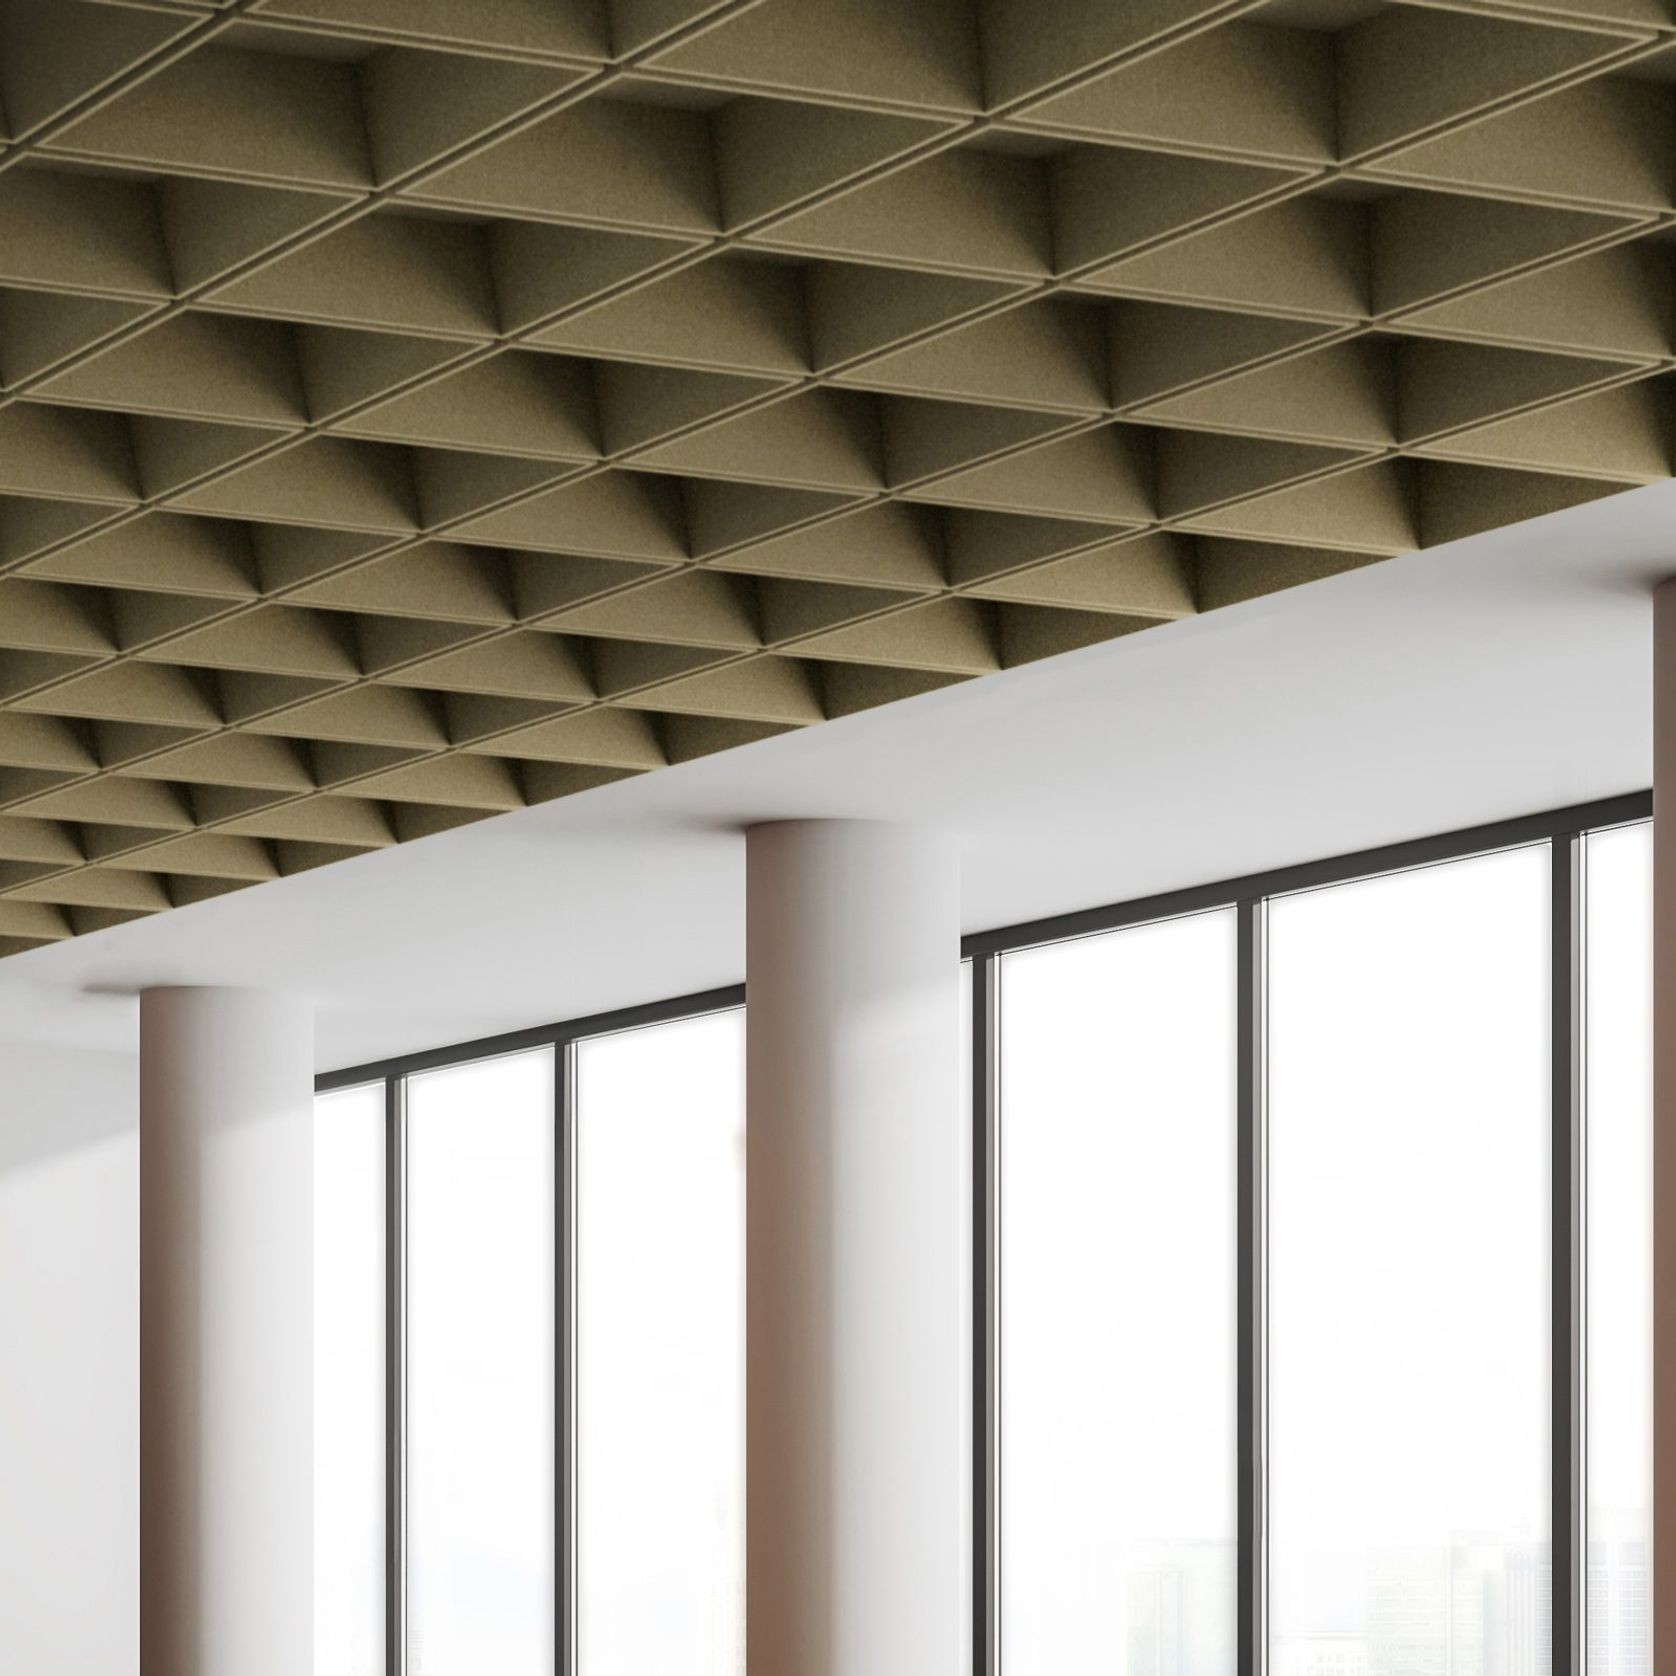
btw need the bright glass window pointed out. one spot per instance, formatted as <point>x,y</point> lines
<point>659,1342</point>
<point>481,1353</point>
<point>1408,1298</point>
<point>1118,1294</point>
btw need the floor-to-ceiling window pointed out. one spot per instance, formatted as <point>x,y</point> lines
<point>1117,1267</point>
<point>1313,1299</point>
<point>1408,1273</point>
<point>658,1199</point>
<point>480,1351</point>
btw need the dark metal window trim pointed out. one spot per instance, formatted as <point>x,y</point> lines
<point>1565,829</point>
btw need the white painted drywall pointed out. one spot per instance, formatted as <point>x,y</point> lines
<point>69,1362</point>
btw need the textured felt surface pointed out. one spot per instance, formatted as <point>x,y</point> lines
<point>416,409</point>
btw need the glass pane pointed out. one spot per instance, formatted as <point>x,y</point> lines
<point>660,1337</point>
<point>349,1489</point>
<point>1118,1303</point>
<point>1408,1273</point>
<point>480,1368</point>
<point>1619,1312</point>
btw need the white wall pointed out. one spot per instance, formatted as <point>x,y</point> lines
<point>69,1362</point>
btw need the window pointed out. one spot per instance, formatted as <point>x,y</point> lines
<point>1118,1276</point>
<point>1408,1295</point>
<point>659,1349</point>
<point>481,1341</point>
<point>1618,1312</point>
<point>1264,1356</point>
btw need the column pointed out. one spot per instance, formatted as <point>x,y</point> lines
<point>1663,1567</point>
<point>226,1333</point>
<point>858,1253</point>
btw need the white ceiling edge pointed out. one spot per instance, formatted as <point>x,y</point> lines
<point>1497,676</point>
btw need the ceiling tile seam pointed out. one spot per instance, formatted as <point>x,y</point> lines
<point>137,71</point>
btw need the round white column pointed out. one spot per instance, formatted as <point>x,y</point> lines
<point>858,1256</point>
<point>226,1334</point>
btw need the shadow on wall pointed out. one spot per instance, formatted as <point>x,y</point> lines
<point>55,1100</point>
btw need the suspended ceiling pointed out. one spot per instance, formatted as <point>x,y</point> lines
<point>411,410</point>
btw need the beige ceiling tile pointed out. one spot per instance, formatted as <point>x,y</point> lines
<point>857,310</point>
<point>1109,203</point>
<point>615,516</point>
<point>606,738</point>
<point>1228,572</point>
<point>566,29</point>
<point>728,315</point>
<point>1370,509</point>
<point>773,154</point>
<point>1144,576</point>
<point>261,115</point>
<point>1617,301</point>
<point>99,887</point>
<point>437,579</point>
<point>471,782</point>
<point>1247,88</point>
<point>1028,49</point>
<point>194,366</point>
<point>1047,355</point>
<point>120,802</point>
<point>916,54</point>
<point>413,411</point>
<point>891,545</point>
<point>371,715</point>
<point>1461,500</point>
<point>325,481</point>
<point>353,822</point>
<point>515,403</point>
<point>206,855</point>
<point>421,108</point>
<point>609,162</point>
<point>1305,257</point>
<point>83,233</point>
<point>138,692</point>
<point>392,271</point>
<point>822,439</point>
<point>1610,143</point>
<point>964,212</point>
<point>778,690</point>
<point>44,742</point>
<point>1406,71</point>
<point>1160,349</point>
<point>27,838</point>
<point>695,607</point>
<point>1624,434</point>
<point>161,550</point>
<point>38,329</point>
<point>1427,245</point>
<point>524,664</point>
<point>956,635</point>
<point>1104,474</point>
